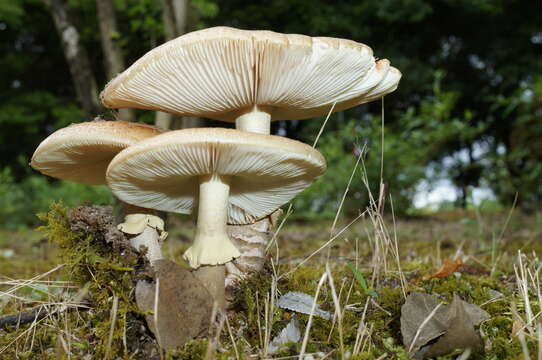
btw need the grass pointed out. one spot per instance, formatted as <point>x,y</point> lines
<point>365,327</point>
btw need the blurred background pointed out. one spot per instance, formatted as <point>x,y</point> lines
<point>463,130</point>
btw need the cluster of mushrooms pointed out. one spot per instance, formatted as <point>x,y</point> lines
<point>224,176</point>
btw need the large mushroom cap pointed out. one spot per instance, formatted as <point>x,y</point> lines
<point>81,152</point>
<point>223,72</point>
<point>265,171</point>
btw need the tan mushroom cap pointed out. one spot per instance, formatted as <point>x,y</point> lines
<point>222,72</point>
<point>265,171</point>
<point>81,152</point>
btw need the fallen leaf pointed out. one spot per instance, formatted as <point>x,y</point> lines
<point>429,331</point>
<point>301,303</point>
<point>184,304</point>
<point>447,269</point>
<point>290,333</point>
<point>417,309</point>
<point>460,333</point>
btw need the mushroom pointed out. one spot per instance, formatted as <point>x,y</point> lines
<point>252,77</point>
<point>225,175</point>
<point>81,152</point>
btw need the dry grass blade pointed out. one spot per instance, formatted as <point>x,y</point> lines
<point>323,125</point>
<point>338,312</point>
<point>326,244</point>
<point>18,284</point>
<point>113,320</point>
<point>362,152</point>
<point>422,325</point>
<point>231,337</point>
<point>311,315</point>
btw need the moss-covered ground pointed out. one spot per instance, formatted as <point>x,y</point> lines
<point>370,323</point>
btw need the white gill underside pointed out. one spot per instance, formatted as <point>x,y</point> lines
<point>164,180</point>
<point>221,75</point>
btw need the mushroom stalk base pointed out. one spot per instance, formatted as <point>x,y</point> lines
<point>255,121</point>
<point>212,245</point>
<point>149,238</point>
<point>145,230</point>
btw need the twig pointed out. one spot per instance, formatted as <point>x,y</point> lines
<point>37,313</point>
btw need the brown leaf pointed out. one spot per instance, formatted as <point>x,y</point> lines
<point>450,327</point>
<point>447,269</point>
<point>184,305</point>
<point>460,333</point>
<point>414,312</point>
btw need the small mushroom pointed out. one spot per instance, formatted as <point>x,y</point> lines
<point>81,152</point>
<point>252,77</point>
<point>226,175</point>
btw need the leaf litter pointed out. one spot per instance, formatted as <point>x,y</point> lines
<point>301,303</point>
<point>290,334</point>
<point>183,305</point>
<point>431,329</point>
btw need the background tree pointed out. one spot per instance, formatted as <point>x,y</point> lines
<point>109,36</point>
<point>468,105</point>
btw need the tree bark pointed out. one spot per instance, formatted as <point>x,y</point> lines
<point>76,56</point>
<point>114,60</point>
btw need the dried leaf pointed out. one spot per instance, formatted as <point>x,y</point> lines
<point>414,312</point>
<point>460,333</point>
<point>184,304</point>
<point>451,327</point>
<point>290,333</point>
<point>447,269</point>
<point>301,303</point>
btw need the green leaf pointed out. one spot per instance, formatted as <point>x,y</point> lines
<point>362,282</point>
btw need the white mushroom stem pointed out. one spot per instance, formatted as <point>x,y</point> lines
<point>256,121</point>
<point>146,229</point>
<point>212,245</point>
<point>149,238</point>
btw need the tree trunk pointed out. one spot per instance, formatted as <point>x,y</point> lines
<point>114,61</point>
<point>77,58</point>
<point>178,17</point>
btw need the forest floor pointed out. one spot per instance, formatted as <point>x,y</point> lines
<point>368,268</point>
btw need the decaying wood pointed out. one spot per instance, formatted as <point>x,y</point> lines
<point>251,240</point>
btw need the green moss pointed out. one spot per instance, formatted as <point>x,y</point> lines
<point>193,350</point>
<point>95,265</point>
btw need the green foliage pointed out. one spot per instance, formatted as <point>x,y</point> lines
<point>19,201</point>
<point>358,275</point>
<point>519,155</point>
<point>490,94</point>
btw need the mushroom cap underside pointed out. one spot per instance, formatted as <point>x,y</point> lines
<point>264,171</point>
<point>221,73</point>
